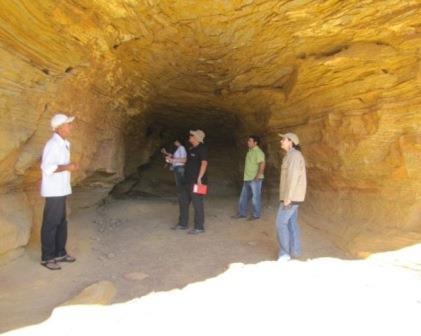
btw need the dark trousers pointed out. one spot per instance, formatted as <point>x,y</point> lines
<point>188,196</point>
<point>54,228</point>
<point>179,181</point>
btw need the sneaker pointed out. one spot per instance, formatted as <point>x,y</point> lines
<point>51,265</point>
<point>196,231</point>
<point>179,227</point>
<point>284,258</point>
<point>65,258</point>
<point>253,218</point>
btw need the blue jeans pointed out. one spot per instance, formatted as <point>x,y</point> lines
<point>253,190</point>
<point>288,231</point>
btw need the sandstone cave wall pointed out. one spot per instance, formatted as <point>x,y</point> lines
<point>344,75</point>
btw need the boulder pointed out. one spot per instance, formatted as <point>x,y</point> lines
<point>15,221</point>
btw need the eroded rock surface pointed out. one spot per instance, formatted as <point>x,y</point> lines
<point>100,293</point>
<point>344,75</point>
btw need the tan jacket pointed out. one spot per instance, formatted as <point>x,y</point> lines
<point>293,182</point>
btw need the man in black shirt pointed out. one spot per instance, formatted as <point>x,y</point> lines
<point>195,173</point>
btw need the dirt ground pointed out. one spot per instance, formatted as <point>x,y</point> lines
<point>133,235</point>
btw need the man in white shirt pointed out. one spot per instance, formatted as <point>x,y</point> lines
<point>55,187</point>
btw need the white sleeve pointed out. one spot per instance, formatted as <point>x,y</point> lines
<point>49,159</point>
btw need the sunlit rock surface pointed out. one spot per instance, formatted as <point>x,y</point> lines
<point>344,75</point>
<point>99,293</point>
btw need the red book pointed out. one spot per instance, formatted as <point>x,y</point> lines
<point>200,189</point>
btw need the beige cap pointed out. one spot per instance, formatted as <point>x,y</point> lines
<point>291,136</point>
<point>60,119</point>
<point>199,135</point>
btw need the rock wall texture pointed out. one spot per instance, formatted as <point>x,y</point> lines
<point>344,75</point>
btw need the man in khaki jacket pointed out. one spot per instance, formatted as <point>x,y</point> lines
<point>292,192</point>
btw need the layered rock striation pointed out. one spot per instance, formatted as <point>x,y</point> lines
<point>344,75</point>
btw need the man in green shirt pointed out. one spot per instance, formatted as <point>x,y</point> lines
<point>253,178</point>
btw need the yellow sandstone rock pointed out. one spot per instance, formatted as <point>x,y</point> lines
<point>344,75</point>
<point>101,292</point>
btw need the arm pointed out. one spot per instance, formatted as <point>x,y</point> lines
<point>261,170</point>
<point>70,167</point>
<point>202,171</point>
<point>294,171</point>
<point>181,156</point>
<point>203,154</point>
<point>178,160</point>
<point>49,162</point>
<point>261,163</point>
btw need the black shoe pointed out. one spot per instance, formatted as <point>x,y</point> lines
<point>179,227</point>
<point>253,218</point>
<point>196,231</point>
<point>237,216</point>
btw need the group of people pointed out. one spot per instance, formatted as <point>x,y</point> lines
<point>190,166</point>
<point>190,171</point>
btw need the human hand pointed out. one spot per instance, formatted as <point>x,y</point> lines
<point>199,180</point>
<point>73,166</point>
<point>258,176</point>
<point>287,202</point>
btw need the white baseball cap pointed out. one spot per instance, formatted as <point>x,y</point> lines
<point>291,136</point>
<point>199,135</point>
<point>60,119</point>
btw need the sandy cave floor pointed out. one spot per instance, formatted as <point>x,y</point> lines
<point>133,235</point>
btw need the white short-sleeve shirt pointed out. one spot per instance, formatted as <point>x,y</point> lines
<point>180,153</point>
<point>56,152</point>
